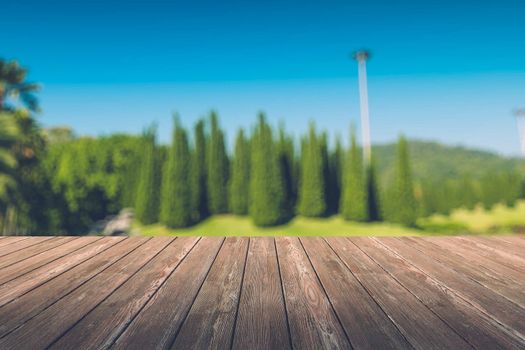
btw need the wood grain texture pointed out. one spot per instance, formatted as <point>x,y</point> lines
<point>351,301</point>
<point>28,305</point>
<point>487,258</point>
<point>59,267</point>
<point>210,321</point>
<point>506,244</point>
<point>514,239</point>
<point>71,308</point>
<point>159,321</point>
<point>22,244</point>
<point>33,250</point>
<point>313,323</point>
<point>10,240</point>
<point>500,309</point>
<point>261,319</point>
<point>261,293</point>
<point>504,258</point>
<point>501,279</point>
<point>20,268</point>
<point>419,325</point>
<point>479,330</point>
<point>101,327</point>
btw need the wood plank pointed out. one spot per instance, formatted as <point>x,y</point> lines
<point>33,250</point>
<point>19,245</point>
<point>510,260</point>
<point>485,257</point>
<point>261,319</point>
<point>210,321</point>
<point>100,328</point>
<point>93,292</point>
<point>494,305</point>
<point>54,321</point>
<point>313,323</point>
<point>10,240</point>
<point>24,300</point>
<point>506,283</point>
<point>515,239</point>
<point>156,326</point>
<point>351,301</point>
<point>502,244</point>
<point>420,326</point>
<point>34,263</point>
<point>478,329</point>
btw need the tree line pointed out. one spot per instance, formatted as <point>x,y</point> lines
<point>52,181</point>
<point>72,181</point>
<point>271,178</point>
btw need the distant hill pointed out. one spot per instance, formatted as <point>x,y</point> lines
<point>433,160</point>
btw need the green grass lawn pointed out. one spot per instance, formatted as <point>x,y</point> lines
<point>230,225</point>
<point>500,219</point>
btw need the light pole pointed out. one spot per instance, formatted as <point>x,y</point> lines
<point>520,117</point>
<point>361,57</point>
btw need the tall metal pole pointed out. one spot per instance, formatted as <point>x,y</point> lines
<point>361,57</point>
<point>520,118</point>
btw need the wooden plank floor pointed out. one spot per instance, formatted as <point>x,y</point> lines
<point>262,293</point>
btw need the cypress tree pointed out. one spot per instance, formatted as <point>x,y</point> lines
<point>146,200</point>
<point>353,200</point>
<point>240,176</point>
<point>325,159</point>
<point>198,173</point>
<point>405,203</point>
<point>176,208</point>
<point>217,169</point>
<point>335,177</point>
<point>129,174</point>
<point>266,184</point>
<point>312,197</point>
<point>372,193</point>
<point>285,149</point>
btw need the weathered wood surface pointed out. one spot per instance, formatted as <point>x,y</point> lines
<point>262,293</point>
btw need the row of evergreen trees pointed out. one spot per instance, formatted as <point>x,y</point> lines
<point>71,182</point>
<point>265,179</point>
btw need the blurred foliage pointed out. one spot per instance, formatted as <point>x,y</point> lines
<point>54,182</point>
<point>312,187</point>
<point>9,133</point>
<point>354,196</point>
<point>90,178</point>
<point>439,162</point>
<point>240,176</point>
<point>15,91</point>
<point>64,184</point>
<point>176,200</point>
<point>218,169</point>
<point>267,201</point>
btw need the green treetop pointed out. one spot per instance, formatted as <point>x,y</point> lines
<point>405,206</point>
<point>218,169</point>
<point>146,200</point>
<point>312,196</point>
<point>266,184</point>
<point>353,199</point>
<point>240,176</point>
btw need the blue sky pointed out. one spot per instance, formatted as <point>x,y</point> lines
<point>450,70</point>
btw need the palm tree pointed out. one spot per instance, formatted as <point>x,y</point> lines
<point>19,136</point>
<point>14,88</point>
<point>8,137</point>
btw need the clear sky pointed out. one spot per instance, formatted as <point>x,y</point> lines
<point>449,70</point>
